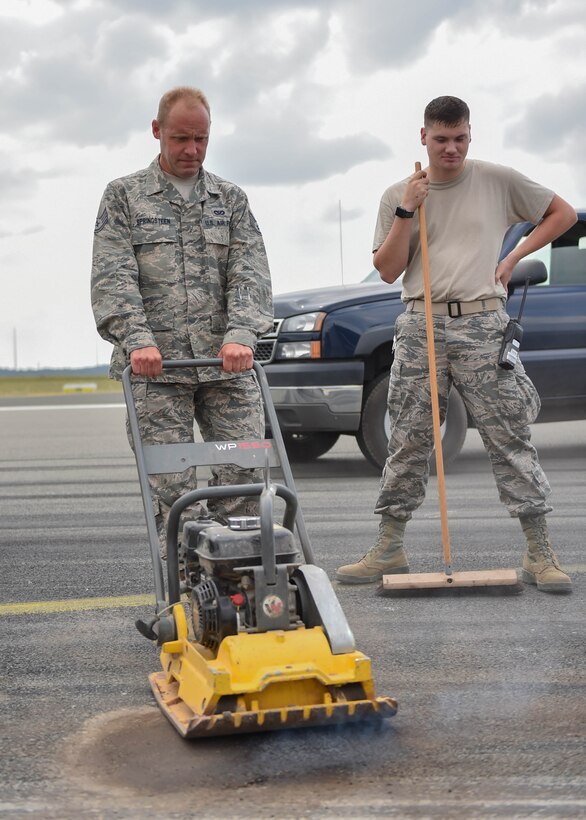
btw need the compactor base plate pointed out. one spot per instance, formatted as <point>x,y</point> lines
<point>191,725</point>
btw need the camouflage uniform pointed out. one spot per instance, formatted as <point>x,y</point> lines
<point>503,403</point>
<point>479,204</point>
<point>186,277</point>
<point>466,219</point>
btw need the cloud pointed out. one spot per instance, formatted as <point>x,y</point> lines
<point>22,184</point>
<point>128,42</point>
<point>245,65</point>
<point>77,80</point>
<point>98,90</point>
<point>18,184</point>
<point>286,148</point>
<point>533,130</point>
<point>179,13</point>
<point>378,33</point>
<point>4,234</point>
<point>528,19</point>
<point>93,75</point>
<point>14,35</point>
<point>391,33</point>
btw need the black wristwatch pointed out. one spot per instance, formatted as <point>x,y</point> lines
<point>403,214</point>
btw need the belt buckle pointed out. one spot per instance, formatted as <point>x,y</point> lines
<point>459,310</point>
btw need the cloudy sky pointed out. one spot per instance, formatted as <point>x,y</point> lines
<point>316,109</point>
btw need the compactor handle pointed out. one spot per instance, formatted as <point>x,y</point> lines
<point>279,445</point>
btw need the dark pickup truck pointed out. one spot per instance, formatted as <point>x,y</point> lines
<point>328,357</point>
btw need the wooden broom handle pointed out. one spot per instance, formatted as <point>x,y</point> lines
<point>437,433</point>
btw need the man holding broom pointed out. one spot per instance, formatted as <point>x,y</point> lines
<point>469,206</point>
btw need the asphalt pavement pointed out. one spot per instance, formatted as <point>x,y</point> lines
<point>492,715</point>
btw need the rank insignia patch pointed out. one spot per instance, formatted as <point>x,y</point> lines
<point>101,221</point>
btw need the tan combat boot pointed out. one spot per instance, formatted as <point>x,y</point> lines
<point>540,564</point>
<point>385,557</point>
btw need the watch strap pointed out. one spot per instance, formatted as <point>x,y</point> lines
<point>404,214</point>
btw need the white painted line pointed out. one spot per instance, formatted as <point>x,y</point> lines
<point>463,807</point>
<point>20,407</point>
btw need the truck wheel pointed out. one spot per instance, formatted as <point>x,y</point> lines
<point>373,435</point>
<point>308,446</point>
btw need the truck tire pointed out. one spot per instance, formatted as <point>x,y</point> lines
<point>308,446</point>
<point>373,435</point>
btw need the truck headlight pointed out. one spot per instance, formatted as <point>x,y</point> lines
<point>303,322</point>
<point>295,350</point>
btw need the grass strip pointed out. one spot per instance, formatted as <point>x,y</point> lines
<point>56,385</point>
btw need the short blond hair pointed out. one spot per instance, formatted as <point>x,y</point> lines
<point>182,92</point>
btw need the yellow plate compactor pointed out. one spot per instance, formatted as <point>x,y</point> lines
<point>251,634</point>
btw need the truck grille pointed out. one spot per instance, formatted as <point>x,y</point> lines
<point>264,350</point>
<point>265,347</point>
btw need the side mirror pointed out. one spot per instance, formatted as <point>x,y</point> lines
<point>532,269</point>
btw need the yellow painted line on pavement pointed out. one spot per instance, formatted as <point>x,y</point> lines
<point>76,604</point>
<point>81,604</point>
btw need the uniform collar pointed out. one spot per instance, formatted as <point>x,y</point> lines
<point>156,183</point>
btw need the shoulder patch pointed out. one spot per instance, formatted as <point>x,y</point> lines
<point>101,221</point>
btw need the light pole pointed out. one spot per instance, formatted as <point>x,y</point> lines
<point>341,244</point>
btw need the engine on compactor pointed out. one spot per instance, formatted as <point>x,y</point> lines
<point>231,591</point>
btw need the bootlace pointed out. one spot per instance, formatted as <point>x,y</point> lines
<point>374,551</point>
<point>543,545</point>
<point>549,554</point>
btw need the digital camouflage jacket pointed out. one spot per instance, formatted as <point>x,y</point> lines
<point>183,276</point>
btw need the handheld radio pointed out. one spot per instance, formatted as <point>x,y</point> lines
<point>509,352</point>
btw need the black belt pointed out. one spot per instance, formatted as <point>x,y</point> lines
<point>456,309</point>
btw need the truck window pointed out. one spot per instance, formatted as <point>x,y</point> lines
<point>565,259</point>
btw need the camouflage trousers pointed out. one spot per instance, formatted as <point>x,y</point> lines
<point>226,410</point>
<point>502,404</point>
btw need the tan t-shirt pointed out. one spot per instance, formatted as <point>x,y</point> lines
<point>467,219</point>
